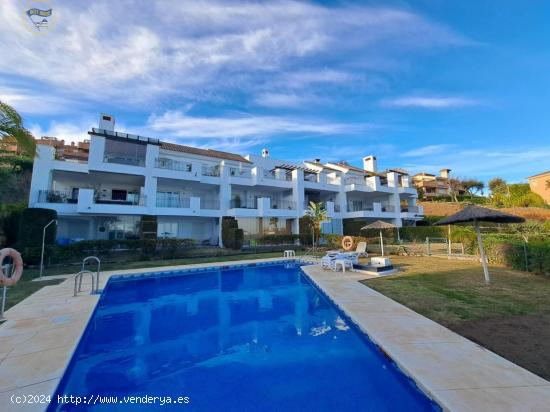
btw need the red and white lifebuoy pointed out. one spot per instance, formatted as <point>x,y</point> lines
<point>17,263</point>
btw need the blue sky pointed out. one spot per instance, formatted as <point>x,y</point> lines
<point>422,85</point>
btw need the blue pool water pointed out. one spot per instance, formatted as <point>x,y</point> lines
<point>254,338</point>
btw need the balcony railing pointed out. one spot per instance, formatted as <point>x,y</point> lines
<point>210,204</point>
<point>274,176</point>
<point>388,208</point>
<point>237,172</point>
<point>355,181</point>
<point>173,201</point>
<point>410,209</point>
<point>314,178</point>
<point>123,159</point>
<point>359,207</point>
<point>171,164</point>
<point>243,204</point>
<point>210,171</point>
<point>57,196</point>
<point>283,204</point>
<point>334,181</point>
<point>130,199</point>
<point>337,208</point>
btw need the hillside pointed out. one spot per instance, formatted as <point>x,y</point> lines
<point>448,208</point>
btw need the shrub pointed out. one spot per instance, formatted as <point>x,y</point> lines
<point>32,224</point>
<point>237,238</point>
<point>10,220</point>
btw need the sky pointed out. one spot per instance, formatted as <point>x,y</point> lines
<point>422,85</point>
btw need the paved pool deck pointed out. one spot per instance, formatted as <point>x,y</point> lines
<point>457,373</point>
<point>41,333</point>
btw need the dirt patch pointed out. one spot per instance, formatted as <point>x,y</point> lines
<point>448,208</point>
<point>524,340</point>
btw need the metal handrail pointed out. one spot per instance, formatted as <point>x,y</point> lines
<point>80,275</point>
<point>97,273</point>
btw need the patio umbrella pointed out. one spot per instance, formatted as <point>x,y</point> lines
<point>478,214</point>
<point>380,225</point>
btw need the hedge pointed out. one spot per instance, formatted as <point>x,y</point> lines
<point>232,236</point>
<point>143,249</point>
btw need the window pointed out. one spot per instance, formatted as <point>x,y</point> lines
<point>167,230</point>
<point>117,194</point>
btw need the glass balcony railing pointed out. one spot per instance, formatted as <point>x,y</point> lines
<point>57,196</point>
<point>359,207</point>
<point>243,204</point>
<point>210,171</point>
<point>123,159</point>
<point>243,173</point>
<point>128,199</point>
<point>210,204</point>
<point>410,209</point>
<point>274,176</point>
<point>173,201</point>
<point>171,164</point>
<point>283,204</point>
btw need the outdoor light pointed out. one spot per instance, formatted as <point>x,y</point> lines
<point>43,242</point>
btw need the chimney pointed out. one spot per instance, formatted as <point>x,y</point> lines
<point>265,152</point>
<point>369,163</point>
<point>107,122</point>
<point>444,173</point>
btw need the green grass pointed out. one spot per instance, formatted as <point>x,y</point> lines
<point>452,291</point>
<point>26,287</point>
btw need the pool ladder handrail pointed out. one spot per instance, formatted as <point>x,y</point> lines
<point>86,259</point>
<point>78,281</point>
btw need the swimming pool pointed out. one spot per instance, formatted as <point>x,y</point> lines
<point>259,337</point>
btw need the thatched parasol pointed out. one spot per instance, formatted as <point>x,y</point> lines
<point>478,214</point>
<point>380,225</point>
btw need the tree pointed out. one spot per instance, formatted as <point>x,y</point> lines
<point>11,128</point>
<point>316,213</point>
<point>473,186</point>
<point>498,185</point>
<point>455,186</point>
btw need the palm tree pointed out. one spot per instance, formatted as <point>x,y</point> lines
<point>316,213</point>
<point>11,128</point>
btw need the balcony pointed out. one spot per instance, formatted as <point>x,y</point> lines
<point>410,209</point>
<point>213,171</point>
<point>388,208</point>
<point>123,198</point>
<point>245,173</point>
<point>246,204</point>
<point>124,159</point>
<point>358,207</point>
<point>210,204</point>
<point>58,196</point>
<point>311,177</point>
<point>283,204</point>
<point>173,201</point>
<point>171,164</point>
<point>334,181</point>
<point>287,177</point>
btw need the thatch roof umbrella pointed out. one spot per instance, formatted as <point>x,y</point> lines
<point>478,214</point>
<point>380,225</point>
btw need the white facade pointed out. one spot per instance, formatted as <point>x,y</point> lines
<point>189,190</point>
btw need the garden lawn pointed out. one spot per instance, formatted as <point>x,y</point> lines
<point>510,317</point>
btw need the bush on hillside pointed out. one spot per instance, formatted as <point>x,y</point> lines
<point>31,227</point>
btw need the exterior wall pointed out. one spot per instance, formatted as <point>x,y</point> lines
<point>273,192</point>
<point>541,186</point>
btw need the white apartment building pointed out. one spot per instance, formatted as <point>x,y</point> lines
<point>129,179</point>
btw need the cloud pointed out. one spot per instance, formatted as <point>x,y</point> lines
<point>288,100</point>
<point>29,102</point>
<point>427,150</point>
<point>205,51</point>
<point>68,131</point>
<point>180,124</point>
<point>425,102</point>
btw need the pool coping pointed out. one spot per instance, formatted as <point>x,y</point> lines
<point>458,374</point>
<point>34,351</point>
